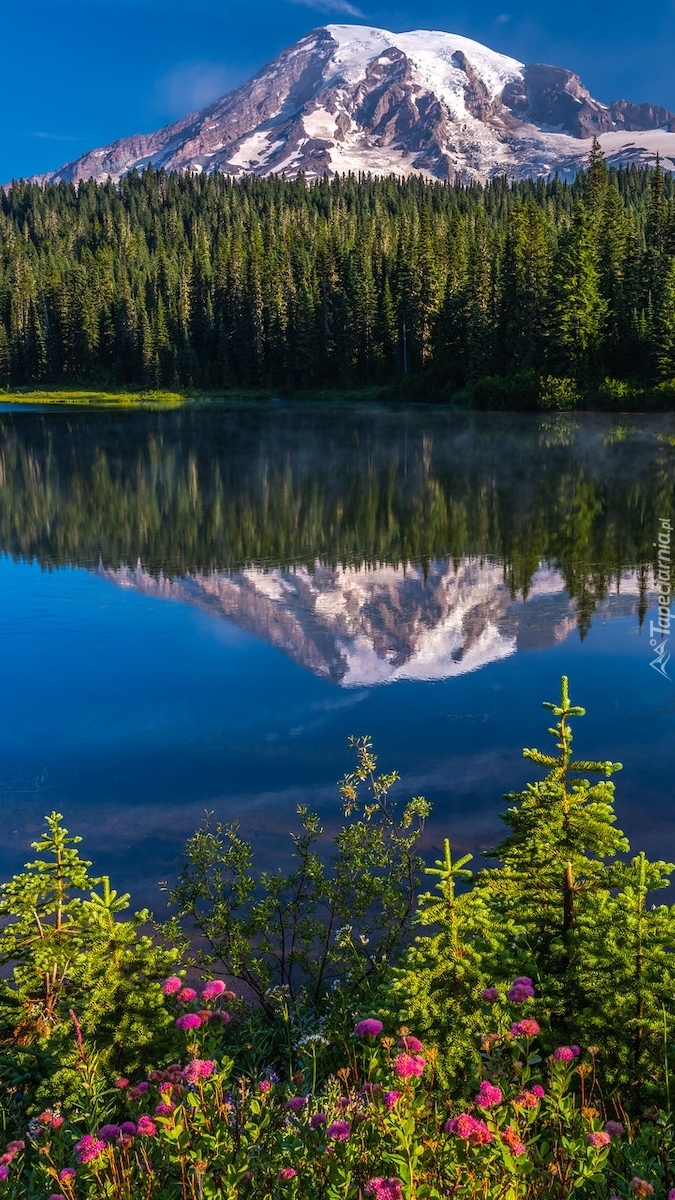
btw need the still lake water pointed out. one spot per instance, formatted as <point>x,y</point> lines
<point>198,607</point>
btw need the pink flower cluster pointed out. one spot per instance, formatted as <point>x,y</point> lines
<point>390,1099</point>
<point>406,1065</point>
<point>6,1160</point>
<point>599,1138</point>
<point>521,990</point>
<point>412,1044</point>
<point>296,1104</point>
<point>488,1095</point>
<point>199,1068</point>
<point>490,994</point>
<point>384,1188</point>
<point>212,990</point>
<point>51,1119</point>
<point>526,1028</point>
<point>530,1097</point>
<point>88,1148</point>
<point>339,1131</point>
<point>566,1053</point>
<point>369,1027</point>
<point>285,1174</point>
<point>470,1129</point>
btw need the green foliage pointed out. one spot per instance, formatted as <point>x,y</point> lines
<point>323,928</point>
<point>173,282</point>
<point>561,394</point>
<point>75,965</point>
<point>437,989</point>
<point>564,908</point>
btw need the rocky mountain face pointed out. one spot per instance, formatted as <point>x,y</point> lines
<point>361,626</point>
<point>355,98</point>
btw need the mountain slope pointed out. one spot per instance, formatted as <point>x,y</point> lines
<point>355,98</point>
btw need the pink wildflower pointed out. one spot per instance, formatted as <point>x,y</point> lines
<point>526,1100</point>
<point>164,1108</point>
<point>575,1050</point>
<point>563,1054</point>
<point>537,1090</point>
<point>490,994</point>
<point>146,1126</point>
<point>599,1138</point>
<point>212,988</point>
<point>615,1129</point>
<point>317,1120</point>
<point>56,1196</point>
<point>128,1129</point>
<point>521,990</point>
<point>339,1131</point>
<point>390,1099</point>
<point>4,1171</point>
<point>526,1028</point>
<point>121,1083</point>
<point>406,1065</point>
<point>172,985</point>
<point>285,1173</point>
<point>88,1148</point>
<point>381,1188</point>
<point>469,1129</point>
<point>15,1147</point>
<point>412,1044</point>
<point>188,1021</point>
<point>296,1104</point>
<point>369,1027</point>
<point>264,1086</point>
<point>219,1014</point>
<point>67,1174</point>
<point>186,995</point>
<point>488,1095</point>
<point>199,1068</point>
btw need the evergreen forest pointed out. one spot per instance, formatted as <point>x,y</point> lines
<point>540,293</point>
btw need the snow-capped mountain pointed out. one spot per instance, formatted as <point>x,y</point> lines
<point>355,98</point>
<point>360,626</point>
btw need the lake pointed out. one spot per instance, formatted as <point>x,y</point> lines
<point>199,606</point>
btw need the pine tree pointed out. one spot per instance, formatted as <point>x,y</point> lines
<point>69,952</point>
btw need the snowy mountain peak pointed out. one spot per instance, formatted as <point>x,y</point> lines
<point>357,98</point>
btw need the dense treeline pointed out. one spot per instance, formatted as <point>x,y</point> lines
<point>185,280</point>
<point>210,489</point>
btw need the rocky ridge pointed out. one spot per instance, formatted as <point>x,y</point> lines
<point>355,98</point>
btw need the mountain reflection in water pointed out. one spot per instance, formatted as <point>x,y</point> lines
<point>361,626</point>
<point>312,552</point>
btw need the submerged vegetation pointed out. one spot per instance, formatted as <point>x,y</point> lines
<point>517,295</point>
<point>341,1032</point>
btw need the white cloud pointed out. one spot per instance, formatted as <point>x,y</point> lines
<point>503,18</point>
<point>58,137</point>
<point>331,6</point>
<point>192,85</point>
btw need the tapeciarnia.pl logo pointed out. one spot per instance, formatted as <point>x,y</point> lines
<point>659,632</point>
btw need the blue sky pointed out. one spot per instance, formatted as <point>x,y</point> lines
<point>80,73</point>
